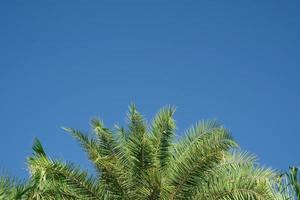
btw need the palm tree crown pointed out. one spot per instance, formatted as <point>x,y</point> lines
<point>145,161</point>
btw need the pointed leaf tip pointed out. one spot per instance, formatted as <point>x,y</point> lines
<point>66,129</point>
<point>38,148</point>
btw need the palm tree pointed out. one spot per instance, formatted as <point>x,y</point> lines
<point>149,162</point>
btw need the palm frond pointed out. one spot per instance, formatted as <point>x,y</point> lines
<point>109,165</point>
<point>140,152</point>
<point>139,143</point>
<point>11,188</point>
<point>195,160</point>
<point>245,182</point>
<point>163,130</point>
<point>63,178</point>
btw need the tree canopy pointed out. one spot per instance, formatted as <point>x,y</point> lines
<point>148,161</point>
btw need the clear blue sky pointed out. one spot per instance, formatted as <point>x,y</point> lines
<point>62,63</point>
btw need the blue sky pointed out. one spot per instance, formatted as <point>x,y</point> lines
<point>62,63</point>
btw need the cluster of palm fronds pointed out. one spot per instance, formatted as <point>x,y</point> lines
<point>144,161</point>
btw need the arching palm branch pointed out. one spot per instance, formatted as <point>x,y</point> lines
<point>149,162</point>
